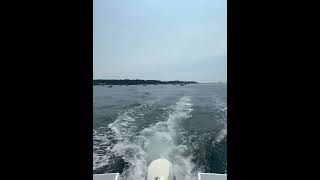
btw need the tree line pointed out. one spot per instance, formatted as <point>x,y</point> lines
<point>136,82</point>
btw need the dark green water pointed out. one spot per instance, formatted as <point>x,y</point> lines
<point>134,125</point>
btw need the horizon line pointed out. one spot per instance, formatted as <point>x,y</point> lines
<point>164,80</point>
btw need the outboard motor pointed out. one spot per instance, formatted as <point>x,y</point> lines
<point>160,169</point>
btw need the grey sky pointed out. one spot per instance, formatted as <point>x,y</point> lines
<point>160,39</point>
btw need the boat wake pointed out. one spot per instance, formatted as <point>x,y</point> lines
<point>137,148</point>
<point>136,138</point>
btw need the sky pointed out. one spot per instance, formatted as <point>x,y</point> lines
<point>160,40</point>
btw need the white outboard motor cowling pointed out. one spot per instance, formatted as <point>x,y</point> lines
<point>160,169</point>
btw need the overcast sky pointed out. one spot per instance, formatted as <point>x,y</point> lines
<point>160,39</point>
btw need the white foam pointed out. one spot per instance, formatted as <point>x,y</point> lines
<point>223,133</point>
<point>101,149</point>
<point>121,130</point>
<point>139,147</point>
<point>155,141</point>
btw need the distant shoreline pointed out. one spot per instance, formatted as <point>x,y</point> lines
<point>97,82</point>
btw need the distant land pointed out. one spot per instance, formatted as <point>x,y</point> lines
<point>97,82</point>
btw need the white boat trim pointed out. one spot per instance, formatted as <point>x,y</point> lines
<point>213,174</point>
<point>101,175</point>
